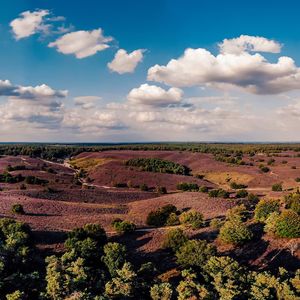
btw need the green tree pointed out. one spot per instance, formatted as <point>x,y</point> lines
<point>162,291</point>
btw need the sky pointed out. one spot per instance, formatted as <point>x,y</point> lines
<point>149,70</point>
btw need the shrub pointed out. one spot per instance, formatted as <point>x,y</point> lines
<point>162,291</point>
<point>203,189</point>
<point>123,226</point>
<point>192,218</point>
<point>253,198</point>
<point>187,186</point>
<point>264,208</point>
<point>22,186</point>
<point>264,169</point>
<point>293,167</point>
<point>237,186</point>
<point>194,253</point>
<point>271,161</point>
<point>285,225</point>
<point>235,232</point>
<point>173,220</point>
<point>18,209</point>
<point>216,223</point>
<point>218,193</point>
<point>277,187</point>
<point>144,187</point>
<point>114,257</point>
<point>292,201</point>
<point>237,212</point>
<point>160,216</point>
<point>161,190</point>
<point>297,179</point>
<point>241,194</point>
<point>174,239</point>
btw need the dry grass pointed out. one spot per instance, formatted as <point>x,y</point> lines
<point>89,163</point>
<point>224,179</point>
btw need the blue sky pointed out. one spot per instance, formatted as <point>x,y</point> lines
<point>208,107</point>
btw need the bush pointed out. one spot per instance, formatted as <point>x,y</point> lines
<point>216,223</point>
<point>144,187</point>
<point>187,186</point>
<point>285,225</point>
<point>160,216</point>
<point>22,186</point>
<point>114,257</point>
<point>235,232</point>
<point>277,187</point>
<point>237,212</point>
<point>264,208</point>
<point>241,194</point>
<point>194,253</point>
<point>192,218</point>
<point>253,198</point>
<point>264,169</point>
<point>203,189</point>
<point>123,226</point>
<point>297,179</point>
<point>218,193</point>
<point>173,220</point>
<point>174,239</point>
<point>292,201</point>
<point>237,186</point>
<point>162,291</point>
<point>18,209</point>
<point>162,190</point>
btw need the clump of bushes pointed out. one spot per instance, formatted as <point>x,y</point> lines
<point>238,212</point>
<point>235,232</point>
<point>241,194</point>
<point>187,186</point>
<point>253,198</point>
<point>192,218</point>
<point>292,201</point>
<point>18,209</point>
<point>35,180</point>
<point>195,253</point>
<point>203,189</point>
<point>264,169</point>
<point>144,187</point>
<point>216,223</point>
<point>158,165</point>
<point>285,224</point>
<point>174,239</point>
<point>277,187</point>
<point>237,186</point>
<point>297,179</point>
<point>264,208</point>
<point>220,193</point>
<point>173,220</point>
<point>160,216</point>
<point>123,226</point>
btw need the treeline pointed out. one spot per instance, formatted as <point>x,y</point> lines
<point>60,151</point>
<point>158,165</point>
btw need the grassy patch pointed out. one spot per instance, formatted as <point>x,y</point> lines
<point>225,178</point>
<point>88,164</point>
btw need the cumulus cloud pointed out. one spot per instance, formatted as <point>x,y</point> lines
<point>154,95</point>
<point>124,62</point>
<point>249,43</point>
<point>29,23</point>
<point>29,92</point>
<point>86,102</point>
<point>82,43</point>
<point>250,72</point>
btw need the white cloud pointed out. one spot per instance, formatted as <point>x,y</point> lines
<point>86,102</point>
<point>82,43</point>
<point>28,23</point>
<point>154,95</point>
<point>249,43</point>
<point>124,62</point>
<point>250,72</point>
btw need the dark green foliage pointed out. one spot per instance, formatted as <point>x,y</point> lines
<point>264,169</point>
<point>15,168</point>
<point>220,193</point>
<point>8,178</point>
<point>18,209</point>
<point>123,226</point>
<point>144,187</point>
<point>160,216</point>
<point>35,180</point>
<point>195,253</point>
<point>187,186</point>
<point>241,194</point>
<point>292,201</point>
<point>253,198</point>
<point>297,179</point>
<point>203,189</point>
<point>158,165</point>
